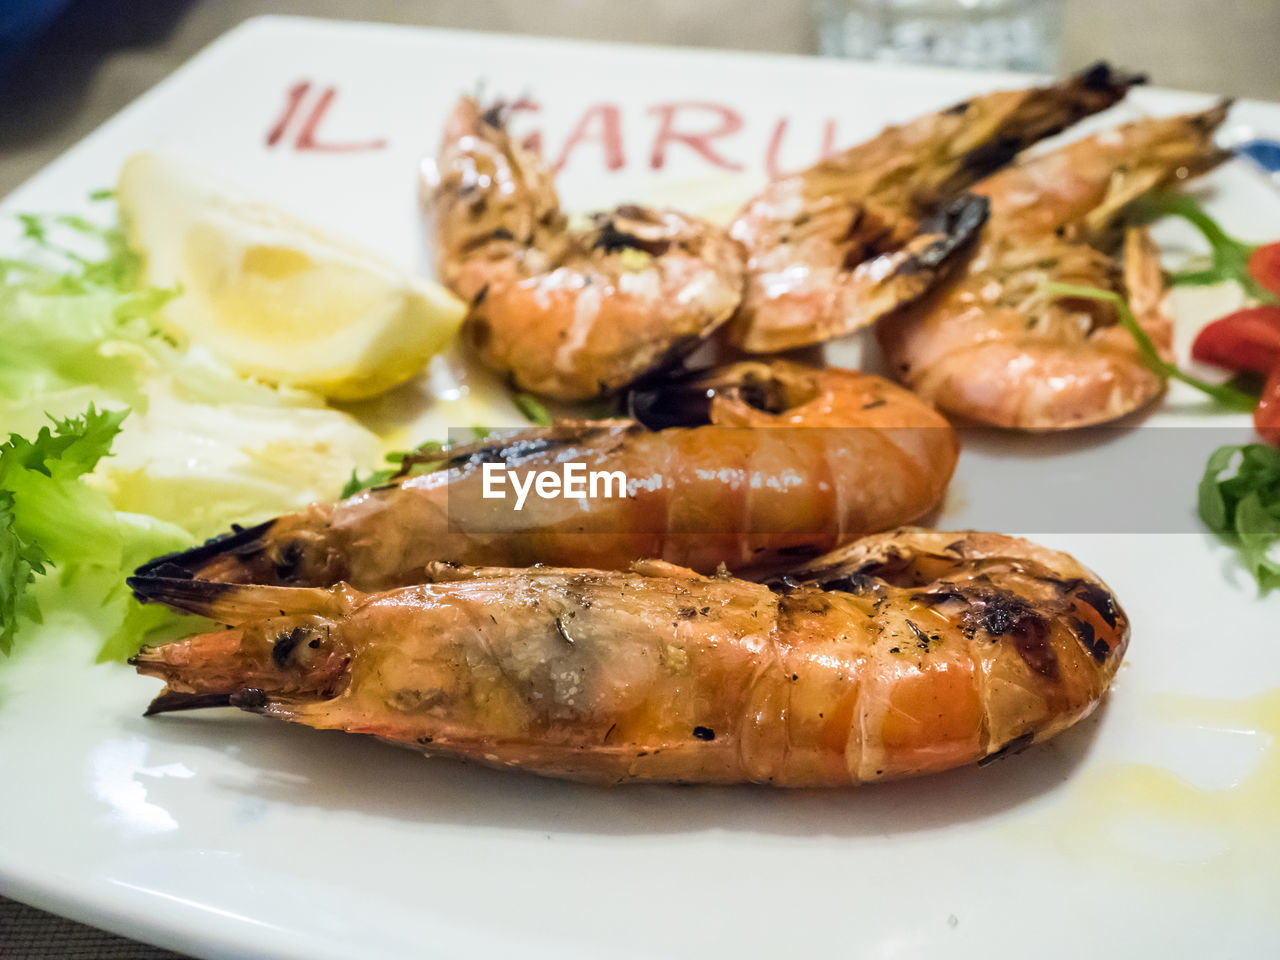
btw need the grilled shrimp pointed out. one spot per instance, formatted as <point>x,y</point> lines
<point>864,232</point>
<point>840,454</point>
<point>568,313</point>
<point>903,654</point>
<point>993,345</point>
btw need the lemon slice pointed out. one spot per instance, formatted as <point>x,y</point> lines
<point>273,296</point>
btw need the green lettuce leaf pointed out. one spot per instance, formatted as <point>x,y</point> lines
<point>51,518</point>
<point>20,561</point>
<point>1242,505</point>
<point>74,325</point>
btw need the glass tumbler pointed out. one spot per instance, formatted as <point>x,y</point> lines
<point>991,34</point>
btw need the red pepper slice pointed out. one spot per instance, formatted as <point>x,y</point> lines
<point>1248,339</point>
<point>1264,266</point>
<point>1266,418</point>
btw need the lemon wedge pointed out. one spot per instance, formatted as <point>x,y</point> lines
<point>273,296</point>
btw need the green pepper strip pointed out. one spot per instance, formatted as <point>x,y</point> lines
<point>1226,395</point>
<point>1230,257</point>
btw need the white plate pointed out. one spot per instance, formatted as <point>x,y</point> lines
<point>1150,829</point>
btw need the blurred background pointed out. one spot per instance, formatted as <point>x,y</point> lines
<point>67,65</point>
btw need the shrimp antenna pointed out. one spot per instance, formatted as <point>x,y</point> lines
<point>237,603</point>
<point>171,701</point>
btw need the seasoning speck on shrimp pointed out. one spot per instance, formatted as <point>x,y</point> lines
<point>907,653</point>
<point>994,344</point>
<point>568,313</point>
<point>755,465</point>
<point>861,233</point>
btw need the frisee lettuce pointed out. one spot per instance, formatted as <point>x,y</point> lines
<point>75,325</point>
<point>20,561</point>
<point>49,518</point>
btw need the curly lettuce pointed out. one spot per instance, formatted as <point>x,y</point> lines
<point>20,560</point>
<point>51,519</point>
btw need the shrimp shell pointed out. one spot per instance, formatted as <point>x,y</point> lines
<point>568,313</point>
<point>992,345</point>
<point>906,653</point>
<point>871,229</point>
<point>776,463</point>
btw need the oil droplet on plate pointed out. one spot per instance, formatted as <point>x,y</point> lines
<point>1146,818</point>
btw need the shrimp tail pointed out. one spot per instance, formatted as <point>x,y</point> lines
<point>235,603</point>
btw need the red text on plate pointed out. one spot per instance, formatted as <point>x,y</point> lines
<point>771,165</point>
<point>601,123</point>
<point>710,132</point>
<point>307,137</point>
<point>669,132</point>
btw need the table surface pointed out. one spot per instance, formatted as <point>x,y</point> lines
<point>105,53</point>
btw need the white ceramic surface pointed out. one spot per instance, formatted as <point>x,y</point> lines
<point>1150,829</point>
